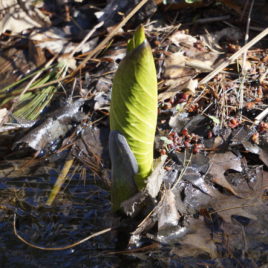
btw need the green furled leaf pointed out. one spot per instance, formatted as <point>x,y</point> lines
<point>134,102</point>
<point>137,39</point>
<point>192,1</point>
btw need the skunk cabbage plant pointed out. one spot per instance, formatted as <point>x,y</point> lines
<point>133,110</point>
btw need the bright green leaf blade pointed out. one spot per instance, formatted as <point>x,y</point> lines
<point>192,1</point>
<point>134,103</point>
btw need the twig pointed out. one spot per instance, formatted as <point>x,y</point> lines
<point>57,248</point>
<point>261,116</point>
<point>256,28</point>
<point>247,35</point>
<point>226,209</point>
<point>212,19</point>
<point>241,88</point>
<point>244,10</point>
<point>86,38</point>
<point>234,56</point>
<point>185,167</point>
<point>111,35</point>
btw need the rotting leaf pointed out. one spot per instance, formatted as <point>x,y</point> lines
<point>259,150</point>
<point>183,65</point>
<point>241,134</point>
<point>221,162</point>
<point>244,233</point>
<point>196,242</point>
<point>53,127</point>
<point>227,206</point>
<point>193,124</point>
<point>92,146</point>
<point>248,184</point>
<point>194,177</point>
<point>132,206</point>
<point>199,162</point>
<point>192,196</point>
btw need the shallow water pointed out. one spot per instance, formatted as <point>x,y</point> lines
<point>83,208</point>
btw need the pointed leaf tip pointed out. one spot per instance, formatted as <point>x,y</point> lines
<point>137,39</point>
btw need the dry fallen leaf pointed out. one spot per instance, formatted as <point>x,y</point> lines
<point>180,37</point>
<point>3,114</point>
<point>17,20</point>
<point>182,66</point>
<point>200,65</point>
<point>154,181</point>
<point>221,162</point>
<point>175,66</point>
<point>57,41</point>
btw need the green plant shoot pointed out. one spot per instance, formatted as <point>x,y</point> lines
<point>134,102</point>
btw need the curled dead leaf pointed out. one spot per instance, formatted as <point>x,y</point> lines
<point>221,162</point>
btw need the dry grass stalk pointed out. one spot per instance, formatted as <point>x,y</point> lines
<point>241,89</point>
<point>234,57</point>
<point>104,231</point>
